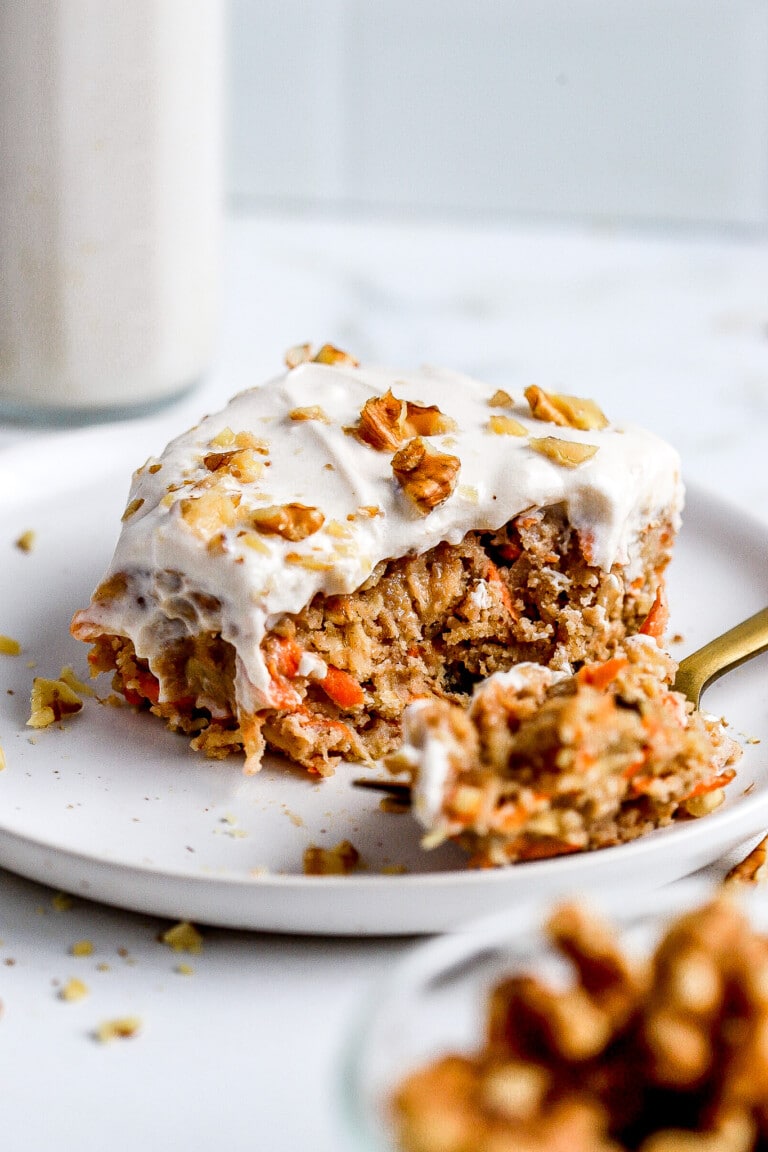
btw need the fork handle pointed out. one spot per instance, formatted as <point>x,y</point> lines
<point>721,654</point>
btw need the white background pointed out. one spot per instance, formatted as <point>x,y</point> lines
<point>616,110</point>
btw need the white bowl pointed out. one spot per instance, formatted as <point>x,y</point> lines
<point>434,1001</point>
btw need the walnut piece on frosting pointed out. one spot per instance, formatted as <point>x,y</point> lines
<point>567,411</point>
<point>428,478</point>
<point>313,412</point>
<point>330,355</point>
<point>327,354</point>
<point>298,354</point>
<point>291,521</point>
<point>506,426</point>
<point>501,399</point>
<point>387,422</point>
<point>208,513</point>
<point>242,464</point>
<point>568,453</point>
<point>133,506</point>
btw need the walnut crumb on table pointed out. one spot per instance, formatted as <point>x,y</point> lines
<point>73,990</point>
<point>121,1028</point>
<point>26,542</point>
<point>182,937</point>
<point>82,948</point>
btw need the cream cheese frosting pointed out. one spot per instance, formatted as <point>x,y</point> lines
<point>239,583</point>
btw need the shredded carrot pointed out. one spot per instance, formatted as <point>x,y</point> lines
<point>494,577</point>
<point>284,656</point>
<point>148,689</point>
<point>711,785</point>
<point>342,688</point>
<point>655,623</point>
<point>149,686</point>
<point>282,659</point>
<point>601,675</point>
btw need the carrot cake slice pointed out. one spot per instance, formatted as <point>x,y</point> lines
<point>542,763</point>
<point>297,568</point>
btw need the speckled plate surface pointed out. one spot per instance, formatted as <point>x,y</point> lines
<point>116,808</point>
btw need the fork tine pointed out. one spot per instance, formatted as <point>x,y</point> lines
<point>401,792</point>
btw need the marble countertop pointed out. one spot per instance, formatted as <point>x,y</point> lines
<point>243,1053</point>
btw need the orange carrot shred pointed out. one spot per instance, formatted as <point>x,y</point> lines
<point>601,675</point>
<point>655,623</point>
<point>342,688</point>
<point>705,786</point>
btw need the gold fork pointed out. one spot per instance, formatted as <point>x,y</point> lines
<point>694,674</point>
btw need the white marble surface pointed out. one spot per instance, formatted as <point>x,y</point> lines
<point>244,1052</point>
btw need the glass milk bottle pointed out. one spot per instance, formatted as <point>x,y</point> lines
<point>110,173</point>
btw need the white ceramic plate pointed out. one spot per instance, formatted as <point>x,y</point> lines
<point>114,807</point>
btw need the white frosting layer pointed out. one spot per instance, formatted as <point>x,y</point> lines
<point>632,480</point>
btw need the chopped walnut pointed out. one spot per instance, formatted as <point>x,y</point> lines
<point>337,530</point>
<point>567,411</point>
<point>506,426</point>
<point>427,420</point>
<point>291,521</point>
<point>182,937</point>
<point>387,422</point>
<point>248,440</point>
<point>313,412</point>
<point>382,423</point>
<point>330,355</point>
<point>81,948</point>
<point>208,513</point>
<point>67,675</point>
<point>753,869</point>
<point>427,478</point>
<point>242,464</point>
<point>337,861</point>
<point>52,700</point>
<point>132,507</point>
<point>3,762</point>
<point>74,989</point>
<point>122,1028</point>
<point>26,541</point>
<point>254,541</point>
<point>501,399</point>
<point>9,647</point>
<point>112,588</point>
<point>560,1070</point>
<point>224,439</point>
<point>155,468</point>
<point>298,354</point>
<point>311,563</point>
<point>568,453</point>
